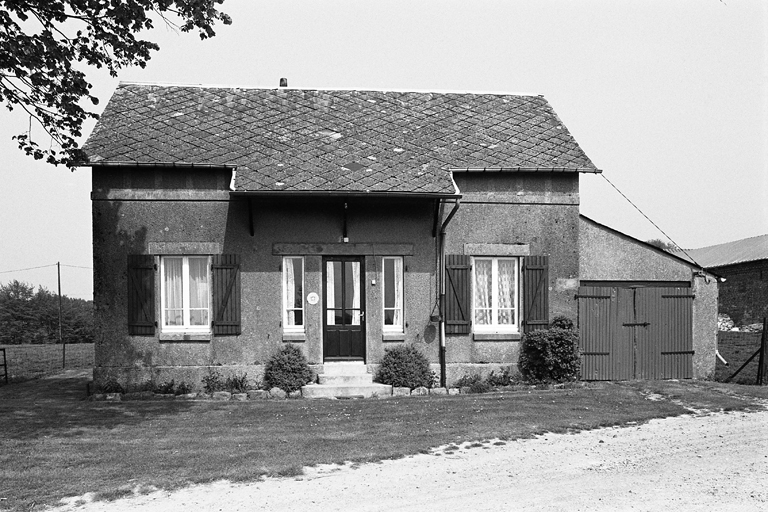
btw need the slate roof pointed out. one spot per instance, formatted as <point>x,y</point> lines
<point>731,253</point>
<point>333,140</point>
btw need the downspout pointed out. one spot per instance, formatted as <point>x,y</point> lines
<point>441,272</point>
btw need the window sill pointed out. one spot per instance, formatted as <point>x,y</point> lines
<point>295,336</point>
<point>488,336</point>
<point>393,336</point>
<point>185,336</point>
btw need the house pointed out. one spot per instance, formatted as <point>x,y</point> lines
<point>228,221</point>
<point>743,265</point>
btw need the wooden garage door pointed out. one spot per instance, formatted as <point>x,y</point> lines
<point>636,332</point>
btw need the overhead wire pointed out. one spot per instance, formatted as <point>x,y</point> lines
<point>649,219</point>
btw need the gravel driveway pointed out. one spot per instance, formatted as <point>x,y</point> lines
<point>700,462</point>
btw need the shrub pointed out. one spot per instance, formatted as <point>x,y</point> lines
<point>287,369</point>
<point>504,378</point>
<point>474,382</point>
<point>183,388</point>
<point>237,383</point>
<point>213,381</point>
<point>166,388</point>
<point>550,355</point>
<point>112,386</point>
<point>405,367</point>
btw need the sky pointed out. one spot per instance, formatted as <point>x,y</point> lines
<point>669,98</point>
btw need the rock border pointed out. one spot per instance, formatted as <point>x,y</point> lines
<point>279,394</point>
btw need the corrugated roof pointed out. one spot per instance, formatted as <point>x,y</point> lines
<point>740,251</point>
<point>331,140</point>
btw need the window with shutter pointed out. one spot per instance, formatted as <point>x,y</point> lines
<point>185,294</point>
<point>495,295</point>
<point>535,292</point>
<point>141,295</point>
<point>225,277</point>
<point>458,305</point>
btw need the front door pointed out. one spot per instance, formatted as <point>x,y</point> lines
<point>344,309</point>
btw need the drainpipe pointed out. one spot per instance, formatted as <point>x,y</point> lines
<point>441,271</point>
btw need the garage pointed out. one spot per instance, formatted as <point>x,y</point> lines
<point>643,313</point>
<point>636,330</point>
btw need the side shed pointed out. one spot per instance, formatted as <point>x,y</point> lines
<point>643,313</point>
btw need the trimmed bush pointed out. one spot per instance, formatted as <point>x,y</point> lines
<point>287,369</point>
<point>550,355</point>
<point>405,367</point>
<point>563,322</point>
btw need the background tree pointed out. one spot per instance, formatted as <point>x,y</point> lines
<point>27,316</point>
<point>43,43</point>
<point>661,244</point>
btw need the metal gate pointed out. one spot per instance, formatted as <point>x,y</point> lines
<point>636,332</point>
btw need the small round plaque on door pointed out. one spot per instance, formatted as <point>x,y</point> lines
<point>313,298</point>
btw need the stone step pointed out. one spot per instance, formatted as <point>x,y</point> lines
<point>345,391</point>
<point>348,380</point>
<point>345,368</point>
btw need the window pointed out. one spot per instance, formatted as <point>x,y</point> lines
<point>293,294</point>
<point>392,269</point>
<point>185,293</point>
<point>495,295</point>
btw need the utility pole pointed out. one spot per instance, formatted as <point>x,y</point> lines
<point>63,346</point>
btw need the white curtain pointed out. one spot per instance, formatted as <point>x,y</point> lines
<point>330,293</point>
<point>174,302</point>
<point>290,291</point>
<point>483,286</point>
<point>398,320</point>
<point>506,291</point>
<point>355,292</point>
<point>198,291</point>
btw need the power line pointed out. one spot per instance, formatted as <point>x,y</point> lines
<point>43,266</point>
<point>649,219</point>
<point>23,269</point>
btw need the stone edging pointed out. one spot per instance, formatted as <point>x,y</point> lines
<point>279,394</point>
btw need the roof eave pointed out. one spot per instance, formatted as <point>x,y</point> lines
<point>129,163</point>
<point>344,193</point>
<point>591,170</point>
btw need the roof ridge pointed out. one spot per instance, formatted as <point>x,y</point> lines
<point>339,89</point>
<point>729,243</point>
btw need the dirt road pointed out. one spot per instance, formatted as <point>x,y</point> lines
<point>703,462</point>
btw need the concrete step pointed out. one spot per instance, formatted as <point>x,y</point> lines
<point>345,368</point>
<point>345,380</point>
<point>345,391</point>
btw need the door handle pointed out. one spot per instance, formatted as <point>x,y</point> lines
<point>362,315</point>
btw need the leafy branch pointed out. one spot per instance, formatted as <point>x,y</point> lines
<point>42,42</point>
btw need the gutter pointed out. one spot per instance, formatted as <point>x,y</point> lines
<point>441,273</point>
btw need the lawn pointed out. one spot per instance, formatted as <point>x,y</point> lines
<point>58,447</point>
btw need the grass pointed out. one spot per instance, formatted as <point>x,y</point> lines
<point>57,447</point>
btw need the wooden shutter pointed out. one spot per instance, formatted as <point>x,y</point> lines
<point>535,293</point>
<point>458,301</point>
<point>141,295</point>
<point>225,274</point>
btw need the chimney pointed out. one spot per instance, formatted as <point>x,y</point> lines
<point>283,82</point>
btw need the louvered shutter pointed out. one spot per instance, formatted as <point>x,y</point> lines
<point>225,274</point>
<point>141,295</point>
<point>458,301</point>
<point>535,293</point>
